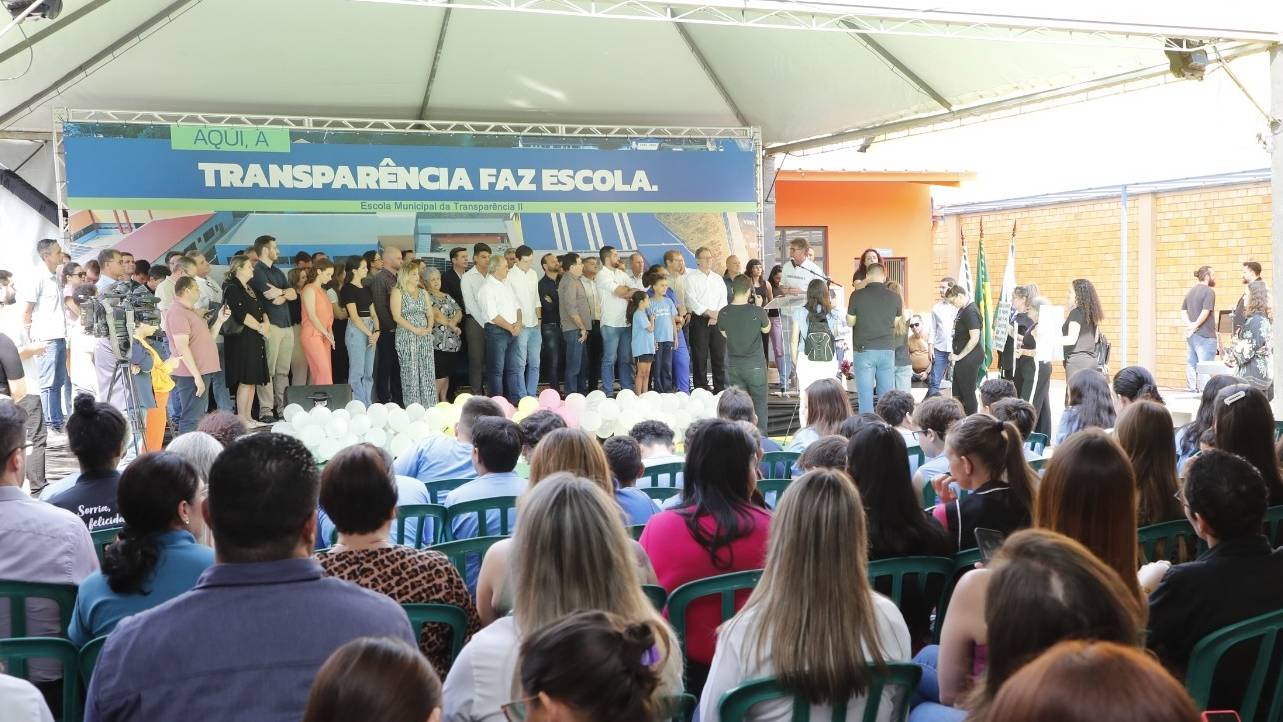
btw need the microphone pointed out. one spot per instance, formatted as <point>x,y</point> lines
<point>817,274</point>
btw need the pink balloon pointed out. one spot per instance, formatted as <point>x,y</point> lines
<point>568,415</point>
<point>549,399</point>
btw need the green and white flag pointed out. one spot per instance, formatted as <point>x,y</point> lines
<point>985,306</point>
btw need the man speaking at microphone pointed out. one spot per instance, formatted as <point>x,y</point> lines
<point>798,273</point>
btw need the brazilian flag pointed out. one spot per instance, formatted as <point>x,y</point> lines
<point>984,304</point>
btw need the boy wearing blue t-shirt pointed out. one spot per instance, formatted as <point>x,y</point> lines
<point>664,314</point>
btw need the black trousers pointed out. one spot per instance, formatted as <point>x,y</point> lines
<point>551,354</point>
<point>966,377</point>
<point>707,344</point>
<point>1033,379</point>
<point>387,368</point>
<point>476,347</point>
<point>592,373</point>
<point>37,436</point>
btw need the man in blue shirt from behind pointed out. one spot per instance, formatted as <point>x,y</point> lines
<point>246,642</point>
<point>442,457</point>
<point>496,446</point>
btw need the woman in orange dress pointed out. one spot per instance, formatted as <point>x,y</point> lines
<point>317,334</point>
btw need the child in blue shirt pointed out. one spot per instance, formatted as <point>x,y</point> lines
<point>664,313</point>
<point>643,338</point>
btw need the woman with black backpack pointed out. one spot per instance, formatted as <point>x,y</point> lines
<point>817,358</point>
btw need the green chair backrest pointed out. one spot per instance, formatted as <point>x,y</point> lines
<point>89,658</point>
<point>772,489</point>
<point>440,530</point>
<point>1274,530</point>
<point>657,595</point>
<point>660,493</point>
<point>1036,443</point>
<point>1278,430</point>
<point>459,551</point>
<point>438,488</point>
<point>917,457</point>
<point>15,653</point>
<point>636,530</point>
<point>777,464</point>
<point>921,569</point>
<point>423,614</point>
<point>64,595</point>
<point>1164,541</point>
<point>504,506</point>
<point>735,704</point>
<point>1039,464</point>
<point>963,562</point>
<point>678,709</point>
<point>1209,651</point>
<point>103,539</point>
<point>723,585</point>
<point>661,476</point>
<point>929,498</point>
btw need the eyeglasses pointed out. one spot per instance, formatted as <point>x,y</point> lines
<point>81,274</point>
<point>517,710</point>
<point>23,447</point>
<point>914,325</point>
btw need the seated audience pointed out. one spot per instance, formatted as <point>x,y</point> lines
<point>444,457</point>
<point>97,434</point>
<point>716,529</point>
<point>571,552</point>
<point>656,441</point>
<point>200,450</point>
<point>590,666</point>
<point>264,617</point>
<point>155,557</point>
<point>986,458</point>
<point>1042,588</point>
<point>496,444</point>
<point>827,453</point>
<point>1091,404</point>
<point>813,622</point>
<point>1082,681</point>
<point>224,426</point>
<point>360,494</point>
<point>1237,578</point>
<point>736,405</point>
<point>994,390</point>
<point>1022,414</point>
<point>827,406</point>
<point>1145,432</point>
<point>533,428</point>
<point>896,408</point>
<point>934,416</point>
<point>409,492</point>
<point>1088,493</point>
<point>21,701</point>
<point>854,423</point>
<point>1244,425</point>
<point>42,543</point>
<point>623,453</point>
<point>1190,435</point>
<point>1135,383</point>
<point>375,680</point>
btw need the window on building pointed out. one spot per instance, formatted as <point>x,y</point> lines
<point>816,236</point>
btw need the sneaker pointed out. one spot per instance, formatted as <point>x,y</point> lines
<point>267,417</point>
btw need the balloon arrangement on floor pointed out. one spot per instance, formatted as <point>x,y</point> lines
<point>325,431</point>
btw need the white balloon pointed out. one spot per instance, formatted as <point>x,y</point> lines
<point>596,397</point>
<point>418,430</point>
<point>609,409</point>
<point>669,403</point>
<point>378,415</point>
<point>628,420</point>
<point>415,411</point>
<point>606,431</point>
<point>652,396</point>
<point>321,413</point>
<point>327,449</point>
<point>291,411</point>
<point>341,414</point>
<point>336,427</point>
<point>348,439</point>
<point>577,401</point>
<point>283,427</point>
<point>355,407</point>
<point>626,396</point>
<point>311,436</point>
<point>435,418</point>
<point>378,437</point>
<point>590,421</point>
<point>359,425</point>
<point>302,421</point>
<point>398,419</point>
<point>400,445</point>
<point>701,394</point>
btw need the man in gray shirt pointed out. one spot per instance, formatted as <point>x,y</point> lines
<point>1200,324</point>
<point>387,365</point>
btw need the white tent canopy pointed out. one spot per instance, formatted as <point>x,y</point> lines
<point>799,71</point>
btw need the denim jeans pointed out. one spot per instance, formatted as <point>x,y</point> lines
<point>528,344</point>
<point>222,399</point>
<point>616,350</point>
<point>904,378</point>
<point>190,406</point>
<point>1201,348</point>
<point>360,363</point>
<point>501,363</point>
<point>869,366</point>
<point>682,363</point>
<point>939,364</point>
<point>574,359</point>
<point>52,366</point>
<point>662,372</point>
<point>550,354</point>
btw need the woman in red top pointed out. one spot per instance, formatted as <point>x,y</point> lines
<point>717,529</point>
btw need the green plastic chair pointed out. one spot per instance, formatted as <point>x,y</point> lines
<point>1037,443</point>
<point>963,562</point>
<point>917,457</point>
<point>773,487</point>
<point>678,709</point>
<point>921,569</point>
<point>1172,535</point>
<point>89,658</point>
<point>660,494</point>
<point>422,512</point>
<point>103,539</point>
<point>724,586</point>
<point>505,505</point>
<point>635,530</point>
<point>16,652</point>
<point>929,498</point>
<point>1273,530</point>
<point>662,475</point>
<point>1278,430</point>
<point>438,488</point>
<point>64,595</point>
<point>1038,464</point>
<point>657,595</point>
<point>735,704</point>
<point>1209,651</point>
<point>422,615</point>
<point>459,551</point>
<point>777,464</point>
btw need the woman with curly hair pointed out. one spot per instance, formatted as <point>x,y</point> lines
<point>1252,349</point>
<point>1081,328</point>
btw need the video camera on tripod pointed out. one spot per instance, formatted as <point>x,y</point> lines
<point>116,312</point>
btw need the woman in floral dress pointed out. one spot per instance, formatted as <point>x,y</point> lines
<point>446,335</point>
<point>1252,349</point>
<point>413,314</point>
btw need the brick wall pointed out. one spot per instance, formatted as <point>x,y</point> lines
<point>1218,226</point>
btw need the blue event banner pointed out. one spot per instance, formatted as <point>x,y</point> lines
<point>160,173</point>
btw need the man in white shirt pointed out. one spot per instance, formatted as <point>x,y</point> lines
<point>706,297</point>
<point>616,335</point>
<point>942,316</point>
<point>474,336</point>
<point>636,270</point>
<point>182,267</point>
<point>497,307</point>
<point>798,272</point>
<point>44,322</point>
<point>524,282</point>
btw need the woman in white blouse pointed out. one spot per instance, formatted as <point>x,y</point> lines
<point>811,610</point>
<point>571,553</point>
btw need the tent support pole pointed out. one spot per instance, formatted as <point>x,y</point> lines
<point>1276,189</point>
<point>436,63</point>
<point>712,75</point>
<point>900,67</point>
<point>50,28</point>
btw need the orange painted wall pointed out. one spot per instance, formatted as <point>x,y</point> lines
<point>860,215</point>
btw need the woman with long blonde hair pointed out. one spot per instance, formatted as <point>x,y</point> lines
<point>812,610</point>
<point>413,313</point>
<point>570,552</point>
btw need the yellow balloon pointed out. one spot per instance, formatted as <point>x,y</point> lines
<point>462,399</point>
